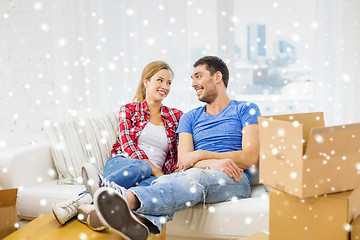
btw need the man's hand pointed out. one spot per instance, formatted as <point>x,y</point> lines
<point>188,160</point>
<point>226,165</point>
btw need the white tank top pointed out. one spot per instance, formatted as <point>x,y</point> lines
<point>153,141</point>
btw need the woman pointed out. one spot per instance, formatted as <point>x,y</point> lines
<point>146,147</point>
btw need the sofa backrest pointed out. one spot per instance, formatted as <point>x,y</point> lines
<point>73,143</point>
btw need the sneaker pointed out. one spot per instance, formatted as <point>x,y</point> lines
<point>88,215</point>
<point>113,211</point>
<point>93,180</point>
<point>64,211</point>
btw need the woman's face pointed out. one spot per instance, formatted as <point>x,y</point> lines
<point>158,87</point>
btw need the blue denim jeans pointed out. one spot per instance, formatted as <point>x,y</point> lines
<point>128,172</point>
<point>178,191</point>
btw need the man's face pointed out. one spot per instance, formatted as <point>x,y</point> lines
<point>204,84</point>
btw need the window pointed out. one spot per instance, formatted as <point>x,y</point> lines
<point>274,44</point>
<point>268,46</point>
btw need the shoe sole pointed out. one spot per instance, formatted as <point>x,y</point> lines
<point>57,219</point>
<point>91,217</point>
<point>113,211</point>
<point>85,170</point>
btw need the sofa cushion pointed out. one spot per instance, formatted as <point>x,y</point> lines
<point>229,220</point>
<point>36,200</point>
<point>73,143</point>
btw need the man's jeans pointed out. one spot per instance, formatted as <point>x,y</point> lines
<point>128,172</point>
<point>178,191</point>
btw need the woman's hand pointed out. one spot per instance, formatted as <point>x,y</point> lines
<point>154,170</point>
<point>157,172</point>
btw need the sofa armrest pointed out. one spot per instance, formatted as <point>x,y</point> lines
<point>26,166</point>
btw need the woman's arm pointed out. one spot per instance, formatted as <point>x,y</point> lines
<point>154,170</point>
<point>126,142</point>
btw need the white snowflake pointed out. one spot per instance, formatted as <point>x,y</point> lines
<point>211,209</point>
<point>319,138</point>
<point>62,42</point>
<point>44,27</point>
<point>38,6</point>
<point>83,236</point>
<point>43,202</point>
<point>265,123</point>
<point>248,220</point>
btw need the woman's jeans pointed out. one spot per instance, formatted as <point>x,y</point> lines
<point>128,172</point>
<point>178,191</point>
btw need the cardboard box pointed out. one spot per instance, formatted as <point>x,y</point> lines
<point>325,217</point>
<point>257,236</point>
<point>300,156</point>
<point>355,229</point>
<point>8,212</point>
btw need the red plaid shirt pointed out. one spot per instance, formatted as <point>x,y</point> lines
<point>133,118</point>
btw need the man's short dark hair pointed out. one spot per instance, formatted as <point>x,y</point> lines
<point>214,64</point>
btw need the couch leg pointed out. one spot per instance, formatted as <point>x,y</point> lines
<point>161,236</point>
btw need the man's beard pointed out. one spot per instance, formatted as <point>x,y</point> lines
<point>210,96</point>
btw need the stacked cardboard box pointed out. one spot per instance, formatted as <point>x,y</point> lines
<point>314,172</point>
<point>355,229</point>
<point>8,213</point>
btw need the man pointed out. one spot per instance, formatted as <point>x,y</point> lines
<point>216,143</point>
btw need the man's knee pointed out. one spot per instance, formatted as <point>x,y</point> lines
<point>195,174</point>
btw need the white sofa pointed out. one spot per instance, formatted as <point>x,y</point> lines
<point>31,169</point>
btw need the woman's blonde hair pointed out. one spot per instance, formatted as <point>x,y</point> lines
<point>150,70</point>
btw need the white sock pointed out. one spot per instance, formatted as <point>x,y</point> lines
<point>85,198</point>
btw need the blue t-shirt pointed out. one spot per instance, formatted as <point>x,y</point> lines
<point>222,132</point>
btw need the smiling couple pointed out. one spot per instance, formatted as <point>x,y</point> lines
<point>166,161</point>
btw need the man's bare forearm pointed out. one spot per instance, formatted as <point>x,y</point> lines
<point>243,159</point>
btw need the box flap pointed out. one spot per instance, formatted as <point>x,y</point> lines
<point>308,121</point>
<point>353,198</point>
<point>337,140</point>
<point>8,197</point>
<point>278,134</point>
<point>356,221</point>
<point>8,213</point>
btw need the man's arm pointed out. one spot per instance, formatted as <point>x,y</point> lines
<point>244,159</point>
<point>186,153</point>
